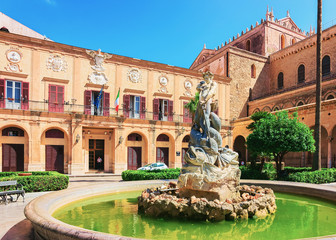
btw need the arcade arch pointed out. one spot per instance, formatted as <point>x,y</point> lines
<point>239,146</point>
<point>165,149</point>
<point>54,149</point>
<point>137,148</point>
<point>14,142</point>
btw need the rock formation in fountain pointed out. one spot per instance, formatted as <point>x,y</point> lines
<point>210,171</point>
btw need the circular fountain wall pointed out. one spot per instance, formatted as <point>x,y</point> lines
<point>310,217</point>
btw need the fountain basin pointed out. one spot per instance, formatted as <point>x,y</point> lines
<point>40,210</point>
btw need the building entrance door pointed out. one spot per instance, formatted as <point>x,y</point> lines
<point>12,157</point>
<point>96,154</point>
<point>134,158</point>
<point>162,155</point>
<point>55,158</point>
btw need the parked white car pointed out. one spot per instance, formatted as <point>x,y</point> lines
<point>154,166</point>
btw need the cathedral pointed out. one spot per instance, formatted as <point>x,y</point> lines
<point>63,107</point>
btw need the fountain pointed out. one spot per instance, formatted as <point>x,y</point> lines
<point>209,184</point>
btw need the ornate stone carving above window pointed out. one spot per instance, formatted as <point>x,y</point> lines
<point>187,85</point>
<point>14,56</point>
<point>98,78</point>
<point>57,63</point>
<point>134,75</point>
<point>163,80</point>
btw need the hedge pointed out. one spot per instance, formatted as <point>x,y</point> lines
<point>38,181</point>
<point>317,177</point>
<point>133,175</point>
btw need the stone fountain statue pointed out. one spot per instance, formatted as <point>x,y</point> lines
<point>211,171</point>
<point>208,186</point>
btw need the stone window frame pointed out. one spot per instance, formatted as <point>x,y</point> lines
<point>330,69</point>
<point>278,80</point>
<point>300,103</point>
<point>282,41</point>
<point>248,45</point>
<point>253,71</point>
<point>298,74</point>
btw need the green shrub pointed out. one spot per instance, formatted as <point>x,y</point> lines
<point>253,172</point>
<point>317,177</point>
<point>7,174</point>
<point>290,170</point>
<point>133,175</point>
<point>39,181</point>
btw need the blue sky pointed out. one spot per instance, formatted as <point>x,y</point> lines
<point>166,31</point>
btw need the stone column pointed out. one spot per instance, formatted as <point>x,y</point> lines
<point>152,145</point>
<point>330,139</point>
<point>120,151</point>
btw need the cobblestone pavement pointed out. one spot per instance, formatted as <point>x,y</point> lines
<point>12,219</point>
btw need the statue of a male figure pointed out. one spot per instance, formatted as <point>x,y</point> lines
<point>207,90</point>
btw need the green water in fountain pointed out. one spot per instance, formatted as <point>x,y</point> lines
<point>296,217</point>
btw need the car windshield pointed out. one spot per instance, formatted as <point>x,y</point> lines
<point>147,165</point>
<point>154,165</point>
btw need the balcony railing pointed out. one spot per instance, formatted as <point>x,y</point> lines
<point>69,108</point>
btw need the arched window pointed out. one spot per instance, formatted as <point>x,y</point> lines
<point>253,71</point>
<point>280,80</point>
<point>186,138</point>
<point>276,109</point>
<point>13,131</point>
<point>282,42</point>
<point>326,65</point>
<point>248,45</point>
<point>163,138</point>
<point>330,97</point>
<point>54,133</point>
<point>300,103</point>
<point>134,137</point>
<point>4,29</point>
<point>301,74</point>
<point>293,41</point>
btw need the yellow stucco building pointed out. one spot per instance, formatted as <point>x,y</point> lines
<point>57,108</point>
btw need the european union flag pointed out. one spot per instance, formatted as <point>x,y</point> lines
<point>98,99</point>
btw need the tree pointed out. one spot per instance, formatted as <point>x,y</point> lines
<point>192,104</point>
<point>279,134</point>
<point>263,156</point>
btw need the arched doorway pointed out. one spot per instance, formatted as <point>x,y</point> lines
<point>162,149</point>
<point>324,147</point>
<point>239,146</point>
<point>324,150</point>
<point>54,140</point>
<point>14,144</point>
<point>185,143</point>
<point>134,151</point>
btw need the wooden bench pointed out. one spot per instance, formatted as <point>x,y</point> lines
<point>5,194</point>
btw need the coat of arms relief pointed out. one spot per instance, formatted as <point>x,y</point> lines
<point>57,63</point>
<point>98,76</point>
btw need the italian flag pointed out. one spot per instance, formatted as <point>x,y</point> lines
<point>116,103</point>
